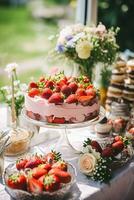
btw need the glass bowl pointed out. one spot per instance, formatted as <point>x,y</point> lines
<point>24,195</point>
<point>19,141</point>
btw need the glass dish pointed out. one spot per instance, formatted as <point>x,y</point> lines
<point>20,142</point>
<point>24,195</point>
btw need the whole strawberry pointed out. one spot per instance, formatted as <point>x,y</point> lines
<point>57,89</point>
<point>34,185</point>
<point>85,100</point>
<point>47,92</point>
<point>34,161</point>
<point>65,177</point>
<point>20,164</point>
<point>37,172</point>
<point>17,181</point>
<point>51,182</point>
<point>33,85</point>
<point>90,92</point>
<point>61,164</point>
<point>80,92</point>
<point>49,84</point>
<point>62,82</point>
<point>117,147</point>
<point>107,152</point>
<point>117,138</point>
<point>71,99</point>
<point>33,92</point>
<point>66,90</point>
<point>73,86</point>
<point>95,145</point>
<point>46,166</point>
<point>56,98</point>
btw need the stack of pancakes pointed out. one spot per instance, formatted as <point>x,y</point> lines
<point>128,92</point>
<point>116,87</point>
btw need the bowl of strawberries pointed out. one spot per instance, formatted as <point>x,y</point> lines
<point>39,177</point>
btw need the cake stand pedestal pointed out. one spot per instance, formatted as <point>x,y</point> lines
<point>63,143</point>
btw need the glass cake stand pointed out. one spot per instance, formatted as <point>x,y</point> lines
<point>63,144</point>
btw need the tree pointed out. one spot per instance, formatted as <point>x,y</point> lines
<point>119,13</point>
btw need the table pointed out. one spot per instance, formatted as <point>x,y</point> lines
<point>121,187</point>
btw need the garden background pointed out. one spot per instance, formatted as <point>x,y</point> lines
<point>26,27</point>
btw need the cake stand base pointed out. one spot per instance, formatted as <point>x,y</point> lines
<point>64,146</point>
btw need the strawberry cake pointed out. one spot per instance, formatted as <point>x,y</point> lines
<point>61,99</point>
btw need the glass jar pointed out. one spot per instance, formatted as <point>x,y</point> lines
<point>20,141</point>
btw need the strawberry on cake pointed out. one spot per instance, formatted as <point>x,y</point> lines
<point>61,99</point>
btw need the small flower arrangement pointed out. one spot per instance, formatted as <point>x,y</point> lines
<point>87,46</point>
<point>99,163</point>
<point>16,87</point>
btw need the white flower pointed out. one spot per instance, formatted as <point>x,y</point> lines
<point>83,48</point>
<point>87,163</point>
<point>86,149</point>
<point>5,88</point>
<point>16,82</point>
<point>101,30</point>
<point>19,93</point>
<point>78,36</point>
<point>96,154</point>
<point>70,43</point>
<point>23,87</point>
<point>89,149</point>
<point>11,67</point>
<point>9,97</point>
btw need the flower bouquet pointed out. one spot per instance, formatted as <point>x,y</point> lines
<point>88,46</point>
<point>99,163</point>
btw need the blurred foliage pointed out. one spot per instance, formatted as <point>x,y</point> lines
<point>54,2</point>
<point>105,77</point>
<point>22,37</point>
<point>12,2</point>
<point>119,13</point>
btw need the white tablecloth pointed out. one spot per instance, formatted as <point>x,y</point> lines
<point>121,186</point>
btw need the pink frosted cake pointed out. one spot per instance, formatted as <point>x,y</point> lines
<point>61,99</point>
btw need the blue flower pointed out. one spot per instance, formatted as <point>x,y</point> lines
<point>69,37</point>
<point>60,48</point>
